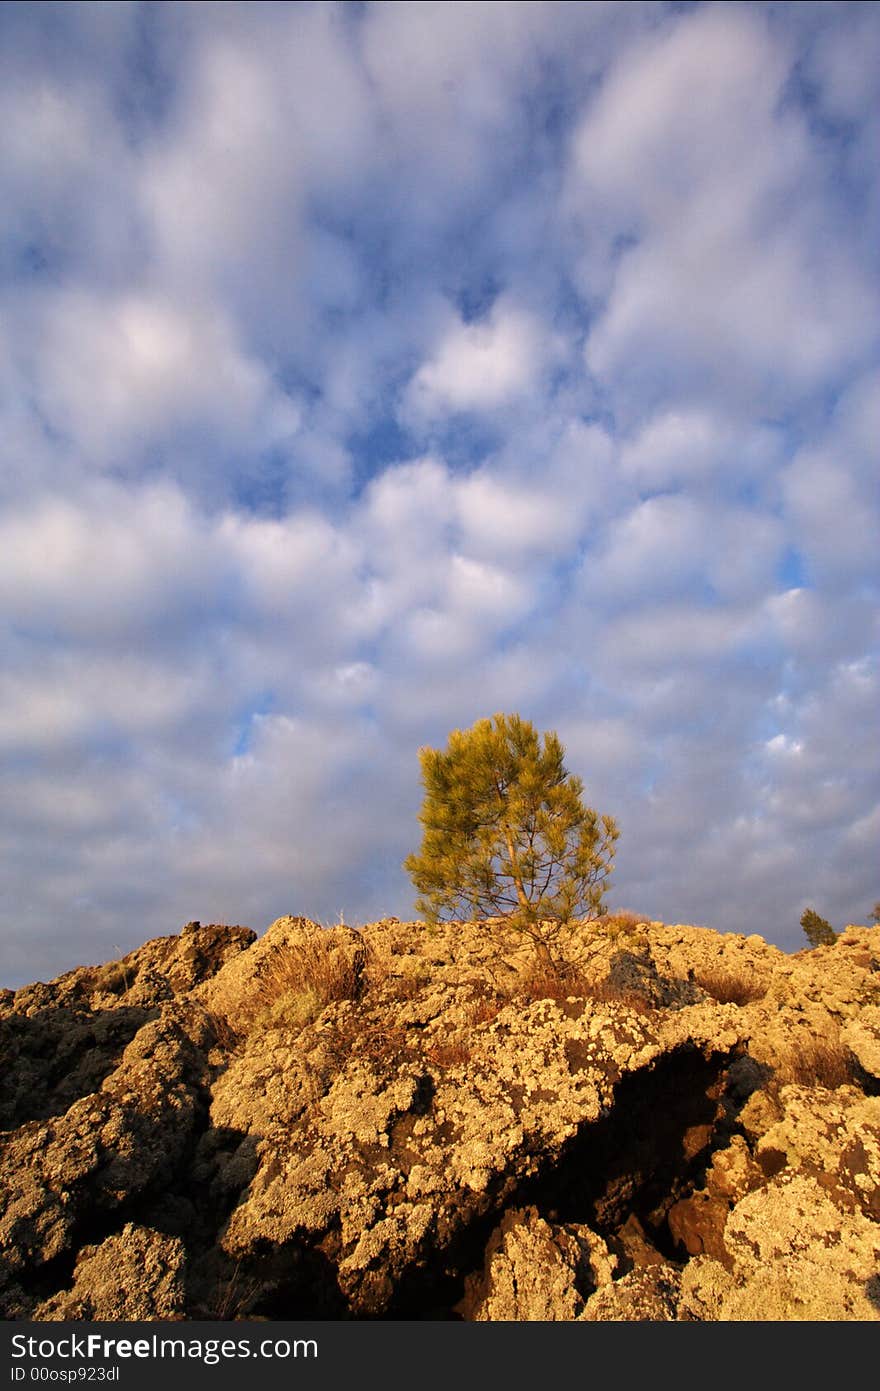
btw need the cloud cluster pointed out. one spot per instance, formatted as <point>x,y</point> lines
<point>365,370</point>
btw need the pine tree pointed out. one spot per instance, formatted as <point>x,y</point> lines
<point>506,833</point>
<point>818,931</point>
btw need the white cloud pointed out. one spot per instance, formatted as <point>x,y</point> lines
<point>736,285</point>
<point>101,567</point>
<point>121,374</point>
<point>547,508</point>
<point>829,489</point>
<point>480,366</point>
<point>698,450</point>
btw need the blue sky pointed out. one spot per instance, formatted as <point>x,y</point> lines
<point>368,369</point>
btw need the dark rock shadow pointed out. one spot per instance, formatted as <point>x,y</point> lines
<point>51,1058</point>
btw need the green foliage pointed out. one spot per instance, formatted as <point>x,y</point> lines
<point>506,833</point>
<point>818,931</point>
<point>875,913</point>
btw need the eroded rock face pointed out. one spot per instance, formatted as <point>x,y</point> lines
<point>136,1274</point>
<point>403,1122</point>
<point>535,1270</point>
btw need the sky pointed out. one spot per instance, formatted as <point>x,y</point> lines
<point>369,369</point>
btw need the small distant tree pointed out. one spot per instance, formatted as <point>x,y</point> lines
<point>818,931</point>
<point>506,833</point>
<point>875,912</point>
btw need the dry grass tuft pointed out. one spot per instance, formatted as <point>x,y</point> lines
<point>729,986</point>
<point>379,1043</point>
<point>545,982</point>
<point>234,1297</point>
<point>816,1063</point>
<point>455,1053</point>
<point>301,978</point>
<point>484,1010</point>
<point>567,982</point>
<point>615,923</point>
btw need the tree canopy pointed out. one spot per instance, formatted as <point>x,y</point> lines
<point>818,931</point>
<point>506,832</point>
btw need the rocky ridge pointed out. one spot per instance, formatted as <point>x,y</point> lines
<point>403,1122</point>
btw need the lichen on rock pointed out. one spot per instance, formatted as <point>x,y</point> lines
<point>403,1122</point>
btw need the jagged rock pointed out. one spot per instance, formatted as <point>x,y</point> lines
<point>837,1145</point>
<point>797,1256</point>
<point>136,1274</point>
<point>56,1055</point>
<point>157,971</point>
<point>862,1036</point>
<point>635,1249</point>
<point>647,1294</point>
<point>537,1271</point>
<point>635,974</point>
<point>397,1158</point>
<point>697,1222</point>
<point>427,1123</point>
<point>118,1142</point>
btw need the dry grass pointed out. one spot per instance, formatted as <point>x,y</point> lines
<point>299,979</point>
<point>567,982</point>
<point>615,923</point>
<point>484,1010</point>
<point>545,982</point>
<point>378,1043</point>
<point>455,1053</point>
<point>729,986</point>
<point>816,1063</point>
<point>234,1297</point>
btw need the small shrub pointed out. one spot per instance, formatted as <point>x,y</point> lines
<point>506,834</point>
<point>729,986</point>
<point>113,979</point>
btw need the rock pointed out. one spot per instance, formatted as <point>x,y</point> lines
<point>636,975</point>
<point>837,1145</point>
<point>862,1036</point>
<point>120,1141</point>
<point>408,1122</point>
<point>697,1224</point>
<point>136,1274</point>
<point>534,1270</point>
<point>647,1294</point>
<point>157,971</point>
<point>397,1158</point>
<point>797,1256</point>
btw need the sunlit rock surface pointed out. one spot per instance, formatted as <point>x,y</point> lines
<point>406,1122</point>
